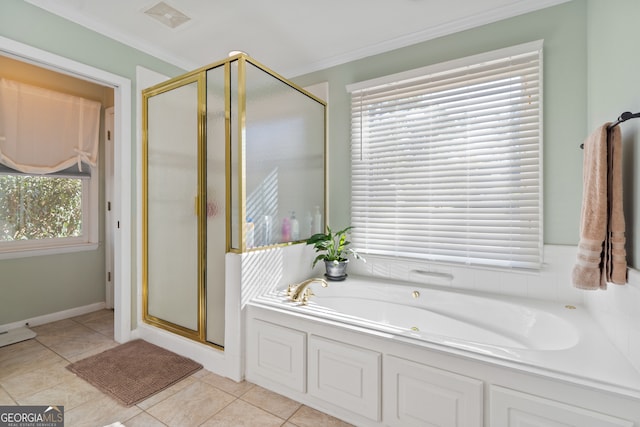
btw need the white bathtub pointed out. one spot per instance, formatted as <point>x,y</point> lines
<point>539,337</point>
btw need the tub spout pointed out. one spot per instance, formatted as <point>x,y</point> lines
<point>301,293</point>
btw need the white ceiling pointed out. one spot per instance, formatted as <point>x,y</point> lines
<point>292,37</point>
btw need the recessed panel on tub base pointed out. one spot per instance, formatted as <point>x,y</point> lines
<point>278,354</point>
<point>510,408</point>
<point>345,375</point>
<point>420,395</point>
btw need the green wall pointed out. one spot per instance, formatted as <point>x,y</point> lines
<point>613,81</point>
<point>36,286</point>
<point>563,29</point>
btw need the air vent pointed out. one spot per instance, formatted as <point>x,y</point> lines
<point>167,15</point>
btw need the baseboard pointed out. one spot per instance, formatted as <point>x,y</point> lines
<point>54,317</point>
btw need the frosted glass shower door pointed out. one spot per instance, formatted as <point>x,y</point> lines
<point>172,210</point>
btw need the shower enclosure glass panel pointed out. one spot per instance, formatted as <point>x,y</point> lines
<point>284,161</point>
<point>172,220</point>
<point>216,204</point>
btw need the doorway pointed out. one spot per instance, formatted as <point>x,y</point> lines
<point>121,278</point>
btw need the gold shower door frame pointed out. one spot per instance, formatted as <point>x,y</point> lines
<point>199,76</point>
<point>198,334</point>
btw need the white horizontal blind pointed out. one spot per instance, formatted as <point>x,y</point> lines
<point>446,166</point>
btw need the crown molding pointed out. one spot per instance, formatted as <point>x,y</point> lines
<point>497,14</point>
<point>452,27</point>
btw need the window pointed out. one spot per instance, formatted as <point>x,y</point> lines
<point>48,170</point>
<point>36,207</point>
<point>446,161</point>
<point>41,208</point>
<point>45,211</point>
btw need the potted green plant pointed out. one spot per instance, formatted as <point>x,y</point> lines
<point>333,248</point>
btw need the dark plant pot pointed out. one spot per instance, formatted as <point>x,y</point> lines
<point>336,270</point>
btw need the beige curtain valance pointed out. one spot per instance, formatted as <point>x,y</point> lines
<point>43,131</point>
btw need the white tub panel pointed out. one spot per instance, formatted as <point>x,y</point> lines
<point>510,408</point>
<point>278,354</point>
<point>417,395</point>
<point>345,375</point>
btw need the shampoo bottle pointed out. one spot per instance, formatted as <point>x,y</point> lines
<point>317,221</point>
<point>251,238</point>
<point>286,229</point>
<point>308,224</point>
<point>295,227</point>
<point>266,237</point>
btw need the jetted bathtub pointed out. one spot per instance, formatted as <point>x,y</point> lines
<point>549,338</point>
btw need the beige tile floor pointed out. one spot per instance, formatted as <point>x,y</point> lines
<point>33,373</point>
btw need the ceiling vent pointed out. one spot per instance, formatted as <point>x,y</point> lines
<point>166,14</point>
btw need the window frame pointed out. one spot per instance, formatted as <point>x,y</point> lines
<point>431,70</point>
<point>59,245</point>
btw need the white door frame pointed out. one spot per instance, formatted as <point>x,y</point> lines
<point>122,165</point>
<point>110,206</point>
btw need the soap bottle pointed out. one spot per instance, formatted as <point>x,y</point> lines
<point>317,221</point>
<point>308,224</point>
<point>267,230</point>
<point>251,239</point>
<point>286,229</point>
<point>295,227</point>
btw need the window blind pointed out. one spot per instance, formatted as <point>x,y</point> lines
<point>446,161</point>
<point>44,131</point>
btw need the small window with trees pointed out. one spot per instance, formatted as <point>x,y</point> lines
<point>40,207</point>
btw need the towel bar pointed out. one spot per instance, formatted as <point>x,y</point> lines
<point>623,118</point>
